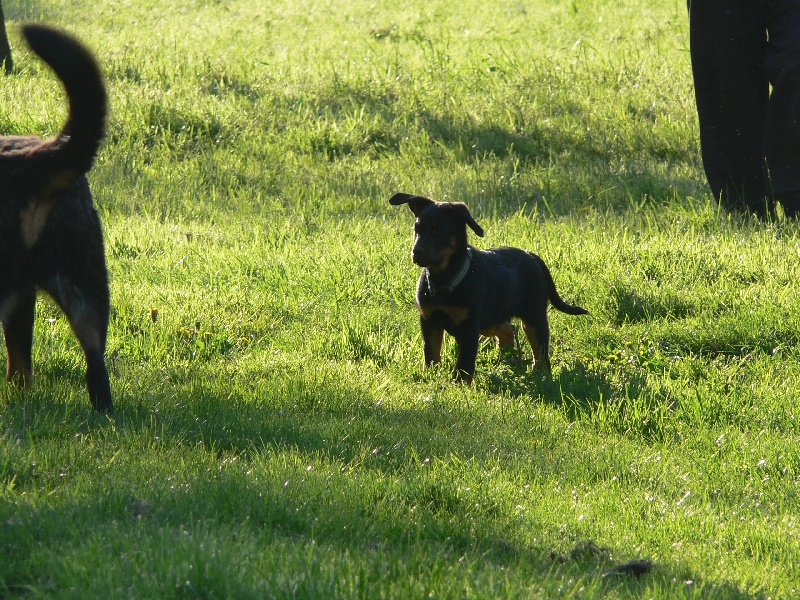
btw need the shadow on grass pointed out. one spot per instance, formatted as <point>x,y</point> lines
<point>562,164</point>
<point>163,548</point>
<point>634,306</point>
<point>374,502</point>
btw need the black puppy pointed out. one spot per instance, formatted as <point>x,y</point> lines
<point>468,292</point>
<point>50,235</point>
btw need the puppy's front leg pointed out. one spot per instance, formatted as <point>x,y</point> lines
<point>467,354</point>
<point>432,337</point>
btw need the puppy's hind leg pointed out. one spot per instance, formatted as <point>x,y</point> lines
<point>538,333</point>
<point>17,317</point>
<point>505,334</point>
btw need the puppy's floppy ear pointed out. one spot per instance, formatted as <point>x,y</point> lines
<point>473,224</point>
<point>415,203</point>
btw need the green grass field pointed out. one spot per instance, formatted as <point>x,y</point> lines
<point>276,435</point>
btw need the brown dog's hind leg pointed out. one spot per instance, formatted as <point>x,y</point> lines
<point>87,313</point>
<point>539,338</point>
<point>18,330</point>
<point>91,333</point>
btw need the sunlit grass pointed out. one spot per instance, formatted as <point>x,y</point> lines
<point>275,433</point>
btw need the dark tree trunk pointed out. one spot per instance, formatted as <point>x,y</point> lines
<point>5,47</point>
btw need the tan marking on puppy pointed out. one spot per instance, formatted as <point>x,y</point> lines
<point>458,314</point>
<point>504,334</point>
<point>446,254</point>
<point>437,338</point>
<point>541,362</point>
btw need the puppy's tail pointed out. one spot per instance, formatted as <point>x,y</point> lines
<point>555,299</point>
<point>71,153</point>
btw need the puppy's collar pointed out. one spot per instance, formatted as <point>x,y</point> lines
<point>454,281</point>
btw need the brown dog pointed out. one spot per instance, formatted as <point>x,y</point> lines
<point>468,292</point>
<point>50,236</point>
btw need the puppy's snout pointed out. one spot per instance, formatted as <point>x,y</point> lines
<point>419,254</point>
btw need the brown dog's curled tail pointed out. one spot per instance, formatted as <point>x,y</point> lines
<point>72,152</point>
<point>555,299</point>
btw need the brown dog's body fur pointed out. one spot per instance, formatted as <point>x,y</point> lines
<point>50,234</point>
<point>468,292</point>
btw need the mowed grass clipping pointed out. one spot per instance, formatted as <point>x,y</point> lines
<point>276,435</point>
